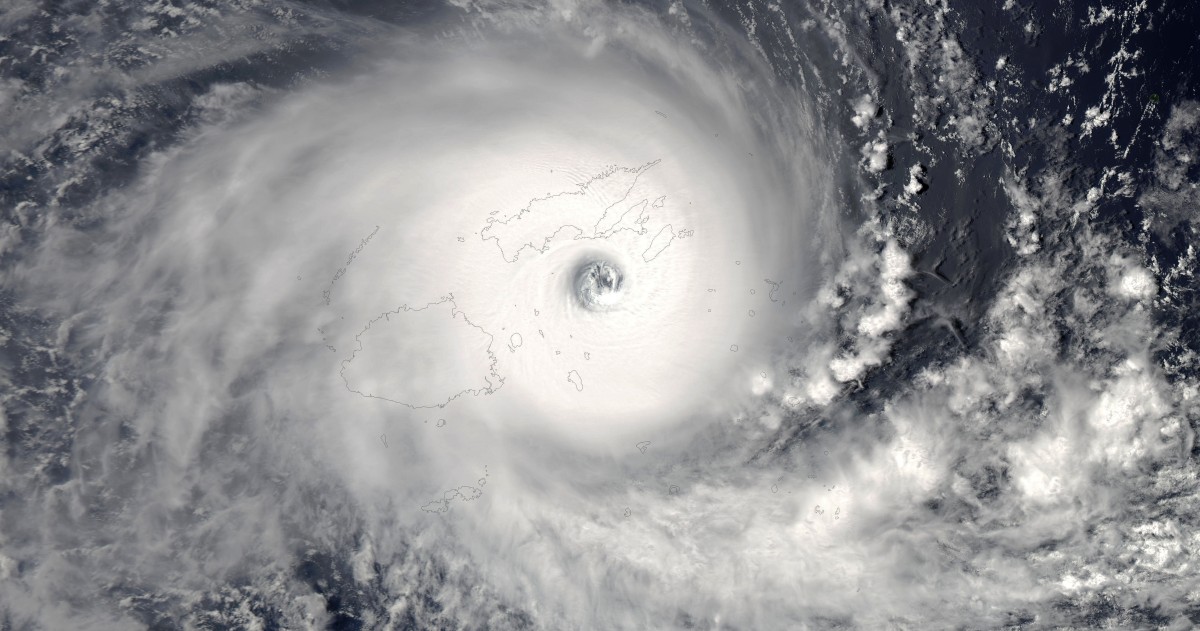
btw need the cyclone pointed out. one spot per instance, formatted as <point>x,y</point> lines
<point>483,314</point>
<point>468,206</point>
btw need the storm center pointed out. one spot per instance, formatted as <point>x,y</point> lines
<point>598,285</point>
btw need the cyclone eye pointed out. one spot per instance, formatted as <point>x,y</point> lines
<point>599,285</point>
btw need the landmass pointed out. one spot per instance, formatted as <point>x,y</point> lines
<point>574,378</point>
<point>396,355</point>
<point>585,213</point>
<point>772,294</point>
<point>462,493</point>
<point>327,293</point>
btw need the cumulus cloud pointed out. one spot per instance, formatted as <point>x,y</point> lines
<point>1174,195</point>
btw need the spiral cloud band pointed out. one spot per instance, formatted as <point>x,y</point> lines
<point>468,206</point>
<point>405,254</point>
